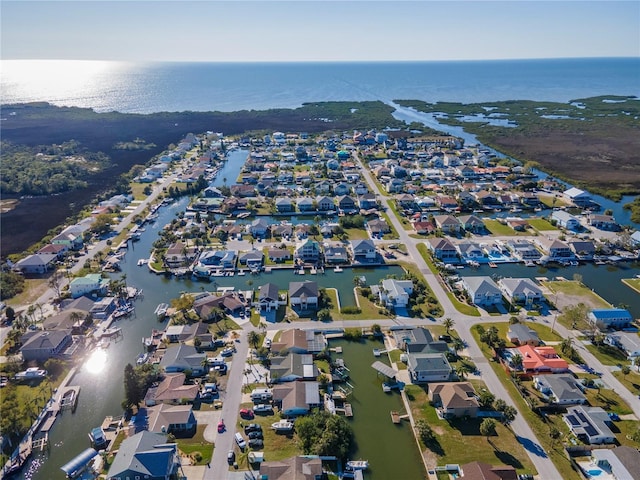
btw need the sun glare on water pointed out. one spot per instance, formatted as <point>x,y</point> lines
<point>96,361</point>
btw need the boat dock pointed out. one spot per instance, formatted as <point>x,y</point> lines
<point>346,410</point>
<point>377,352</point>
<point>396,416</point>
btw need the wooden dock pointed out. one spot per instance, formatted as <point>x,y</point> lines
<point>395,416</point>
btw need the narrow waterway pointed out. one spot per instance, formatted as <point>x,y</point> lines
<point>390,448</point>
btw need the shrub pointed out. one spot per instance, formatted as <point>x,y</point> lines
<point>350,310</point>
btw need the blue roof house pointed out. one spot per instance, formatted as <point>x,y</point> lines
<point>610,318</point>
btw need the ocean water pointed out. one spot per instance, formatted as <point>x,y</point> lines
<point>156,87</point>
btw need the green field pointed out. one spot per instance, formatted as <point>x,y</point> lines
<point>497,228</point>
<point>540,224</point>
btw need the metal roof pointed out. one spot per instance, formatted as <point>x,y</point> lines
<point>384,369</point>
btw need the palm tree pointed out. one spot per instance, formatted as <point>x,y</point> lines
<point>448,324</point>
<point>458,344</point>
<point>253,338</point>
<point>517,361</point>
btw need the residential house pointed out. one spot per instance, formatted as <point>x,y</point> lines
<point>418,340</point>
<point>284,205</point>
<point>279,255</point>
<point>628,342</point>
<point>177,420</point>
<point>103,307</point>
<point>566,220</point>
<point>225,259</point>
<point>325,204</point>
<point>179,255</point>
<point>523,250</point>
<point>590,424</point>
<point>555,249</point>
<point>305,204</point>
<point>395,185</point>
<point>294,468</point>
<point>577,196</point>
<point>520,334</point>
<point>378,227</point>
<point>297,398</point>
<point>300,341</point>
<point>603,222</point>
<point>145,455</point>
<point>368,201</point>
<point>622,462</point>
<point>443,249</point>
<point>561,389</point>
<point>605,318</point>
<point>393,293</point>
<point>284,230</point>
<point>90,283</point>
<point>470,251</point>
<point>292,367</point>
<point>472,223</point>
<point>363,251</point>
<point>424,228</point>
<point>483,471</point>
<point>303,295</point>
<point>456,399</point>
<point>208,307</point>
<point>183,333</point>
<point>448,224</point>
<point>184,358</point>
<point>335,254</point>
<point>302,230</point>
<point>428,367</point>
<point>41,345</point>
<point>347,204</point>
<point>268,297</point>
<point>72,319</point>
<point>252,259</point>
<point>37,263</point>
<point>540,359</point>
<point>583,249</point>
<point>70,237</point>
<point>259,228</point>
<point>520,290</point>
<point>482,290</point>
<point>58,250</point>
<point>172,390</point>
<point>308,251</point>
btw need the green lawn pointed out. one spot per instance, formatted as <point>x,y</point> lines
<point>393,235</point>
<point>403,220</point>
<point>607,355</point>
<point>633,283</point>
<point>196,445</point>
<point>540,224</point>
<point>459,440</point>
<point>497,228</point>
<point>630,381</point>
<point>356,233</point>
<point>426,307</point>
<point>578,293</point>
<point>369,310</point>
<point>548,200</point>
<point>544,332</point>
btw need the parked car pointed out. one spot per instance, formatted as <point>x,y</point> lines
<point>246,413</point>
<point>221,369</point>
<point>242,444</point>
<point>254,435</point>
<point>252,427</point>
<point>231,457</point>
<point>256,444</point>
<point>221,426</point>
<point>262,408</point>
<point>267,342</point>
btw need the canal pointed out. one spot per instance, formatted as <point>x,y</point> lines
<point>390,448</point>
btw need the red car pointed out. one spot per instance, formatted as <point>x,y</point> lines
<point>246,413</point>
<point>221,426</point>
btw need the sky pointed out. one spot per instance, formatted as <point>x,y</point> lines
<point>312,30</point>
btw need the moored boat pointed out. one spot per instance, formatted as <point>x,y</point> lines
<point>282,426</point>
<point>161,310</point>
<point>358,464</point>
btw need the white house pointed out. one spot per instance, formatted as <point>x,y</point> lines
<point>395,293</point>
<point>482,290</point>
<point>90,283</point>
<point>565,220</point>
<point>577,196</point>
<point>303,294</point>
<point>560,389</point>
<point>363,250</point>
<point>520,290</point>
<point>628,342</point>
<point>589,424</point>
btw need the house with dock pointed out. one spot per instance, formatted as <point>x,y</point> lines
<point>41,345</point>
<point>145,455</point>
<point>454,399</point>
<point>482,290</point>
<point>605,318</point>
<point>292,367</point>
<point>297,398</point>
<point>428,367</point>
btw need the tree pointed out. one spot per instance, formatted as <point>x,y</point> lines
<point>132,391</point>
<point>485,399</point>
<point>448,324</point>
<point>10,313</point>
<point>425,432</point>
<point>458,345</point>
<point>488,428</point>
<point>253,338</point>
<point>635,436</point>
<point>324,315</point>
<point>101,225</point>
<point>500,405</point>
<point>554,434</point>
<point>55,282</point>
<point>517,362</point>
<point>625,370</point>
<point>324,434</point>
<point>509,414</point>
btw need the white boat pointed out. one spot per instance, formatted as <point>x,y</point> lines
<point>358,464</point>
<point>142,261</point>
<point>337,269</point>
<point>529,263</point>
<point>161,310</point>
<point>282,426</point>
<point>31,373</point>
<point>142,358</point>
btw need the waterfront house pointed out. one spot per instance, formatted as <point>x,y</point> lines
<point>302,230</point>
<point>284,230</point>
<point>183,333</point>
<point>471,223</point>
<point>70,318</point>
<point>590,424</point>
<point>622,462</point>
<point>292,367</point>
<point>443,249</point>
<point>605,318</point>
<point>297,398</point>
<point>300,341</point>
<point>484,471</point>
<point>172,390</point>
<point>58,250</point>
<point>225,259</point>
<point>268,297</point>
<point>470,251</point>
<point>566,220</point>
<point>448,224</point>
<point>577,196</point>
<point>325,204</point>
<point>183,358</point>
<point>252,259</point>
<point>70,237</point>
<point>393,293</point>
<point>279,255</point>
<point>456,399</point>
<point>523,250</point>
<point>41,345</point>
<point>482,290</point>
<point>91,283</point>
<point>335,254</point>
<point>208,307</point>
<point>103,307</point>
<point>520,290</point>
<point>179,255</point>
<point>347,204</point>
<point>628,342</point>
<point>259,228</point>
<point>418,340</point>
<point>561,389</point>
<point>583,249</point>
<point>177,420</point>
<point>37,263</point>
<point>284,205</point>
<point>428,367</point>
<point>540,359</point>
<point>363,251</point>
<point>555,249</point>
<point>520,334</point>
<point>305,204</point>
<point>303,295</point>
<point>294,468</point>
<point>603,222</point>
<point>308,251</point>
<point>145,455</point>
